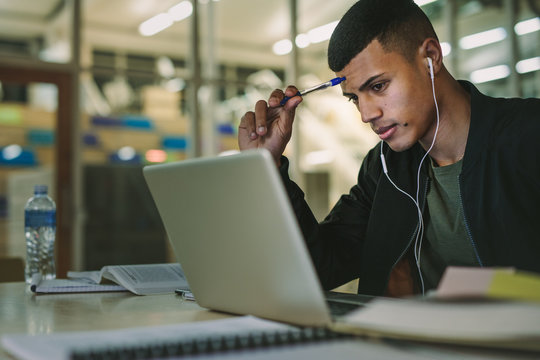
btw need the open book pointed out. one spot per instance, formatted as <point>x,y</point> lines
<point>139,279</point>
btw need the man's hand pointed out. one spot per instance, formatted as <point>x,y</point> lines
<point>270,126</point>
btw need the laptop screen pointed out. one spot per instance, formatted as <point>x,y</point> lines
<point>233,230</point>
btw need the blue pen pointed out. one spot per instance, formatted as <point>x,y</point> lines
<point>332,82</point>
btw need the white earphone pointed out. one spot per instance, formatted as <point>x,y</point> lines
<point>420,233</point>
<point>430,63</point>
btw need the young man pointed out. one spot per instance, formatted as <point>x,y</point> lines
<point>454,181</point>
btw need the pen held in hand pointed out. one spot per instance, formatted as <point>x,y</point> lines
<point>332,82</point>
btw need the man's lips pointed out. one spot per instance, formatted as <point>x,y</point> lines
<point>385,132</point>
<point>383,129</point>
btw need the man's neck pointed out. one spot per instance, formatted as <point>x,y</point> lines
<point>454,118</point>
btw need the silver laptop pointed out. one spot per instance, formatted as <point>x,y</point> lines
<point>233,230</point>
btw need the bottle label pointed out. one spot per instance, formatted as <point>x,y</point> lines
<point>37,218</point>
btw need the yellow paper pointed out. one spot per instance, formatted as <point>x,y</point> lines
<point>518,285</point>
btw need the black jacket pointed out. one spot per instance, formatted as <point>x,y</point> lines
<point>372,228</point>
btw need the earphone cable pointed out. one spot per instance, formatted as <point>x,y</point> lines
<point>420,233</point>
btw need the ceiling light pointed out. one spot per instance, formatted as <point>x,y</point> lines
<point>302,41</point>
<point>490,74</point>
<point>155,24</point>
<point>282,47</point>
<point>181,10</point>
<point>527,26</point>
<point>162,21</point>
<point>313,36</point>
<point>528,65</point>
<point>322,33</point>
<point>482,38</point>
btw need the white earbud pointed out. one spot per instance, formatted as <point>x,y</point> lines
<point>430,63</point>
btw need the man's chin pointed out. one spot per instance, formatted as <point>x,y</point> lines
<point>399,146</point>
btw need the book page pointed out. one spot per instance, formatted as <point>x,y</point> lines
<point>89,276</point>
<point>493,323</point>
<point>148,279</point>
<point>142,279</point>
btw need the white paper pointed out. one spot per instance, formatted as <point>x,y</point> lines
<point>466,282</point>
<point>144,279</point>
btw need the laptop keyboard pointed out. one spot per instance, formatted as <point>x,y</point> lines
<point>343,303</point>
<point>338,308</point>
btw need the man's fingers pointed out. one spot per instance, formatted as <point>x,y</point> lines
<point>275,98</point>
<point>261,112</point>
<point>291,91</point>
<point>257,123</point>
<point>292,103</point>
<point>247,125</point>
<point>277,95</point>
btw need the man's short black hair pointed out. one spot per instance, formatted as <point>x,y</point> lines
<point>399,25</point>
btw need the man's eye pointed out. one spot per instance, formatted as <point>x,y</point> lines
<point>378,86</point>
<point>354,99</point>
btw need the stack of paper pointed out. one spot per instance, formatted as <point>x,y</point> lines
<point>500,283</point>
<point>472,306</point>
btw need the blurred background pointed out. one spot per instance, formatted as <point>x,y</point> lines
<point>92,90</point>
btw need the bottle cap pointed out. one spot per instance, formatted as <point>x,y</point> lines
<point>40,189</point>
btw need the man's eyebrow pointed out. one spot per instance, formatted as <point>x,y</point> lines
<point>365,84</point>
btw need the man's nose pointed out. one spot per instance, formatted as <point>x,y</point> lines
<point>369,111</point>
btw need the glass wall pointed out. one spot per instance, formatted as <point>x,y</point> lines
<point>39,30</point>
<point>163,83</point>
<point>35,49</point>
<point>168,80</point>
<point>27,155</point>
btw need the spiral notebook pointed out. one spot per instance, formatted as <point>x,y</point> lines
<point>159,341</point>
<point>243,337</point>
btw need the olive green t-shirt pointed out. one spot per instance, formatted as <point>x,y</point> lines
<point>445,239</point>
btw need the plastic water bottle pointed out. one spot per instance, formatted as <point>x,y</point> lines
<point>40,232</point>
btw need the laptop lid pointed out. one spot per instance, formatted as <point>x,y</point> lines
<point>232,228</point>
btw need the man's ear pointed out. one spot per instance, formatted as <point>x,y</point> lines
<point>431,48</point>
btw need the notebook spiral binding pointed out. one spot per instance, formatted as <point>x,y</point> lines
<point>222,343</point>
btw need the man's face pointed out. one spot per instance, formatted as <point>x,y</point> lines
<point>392,94</point>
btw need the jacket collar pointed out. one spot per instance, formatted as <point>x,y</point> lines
<point>481,122</point>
